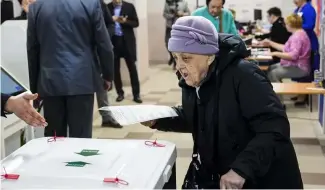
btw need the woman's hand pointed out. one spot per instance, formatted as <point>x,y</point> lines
<point>149,123</point>
<point>266,43</point>
<point>273,54</point>
<point>231,180</point>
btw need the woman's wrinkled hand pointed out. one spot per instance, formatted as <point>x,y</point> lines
<point>231,180</point>
<point>149,123</point>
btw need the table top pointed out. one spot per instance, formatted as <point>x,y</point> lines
<point>72,163</point>
<point>260,54</point>
<point>297,88</point>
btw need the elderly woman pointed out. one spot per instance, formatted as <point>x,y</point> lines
<point>294,54</point>
<point>240,129</point>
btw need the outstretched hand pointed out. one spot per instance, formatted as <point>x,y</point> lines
<point>231,180</point>
<point>21,106</point>
<point>149,123</point>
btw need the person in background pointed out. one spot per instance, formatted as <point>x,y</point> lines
<point>110,24</point>
<point>22,107</point>
<point>24,5</point>
<point>173,10</point>
<point>126,19</point>
<point>102,94</point>
<point>294,54</point>
<point>278,33</point>
<point>65,39</point>
<point>308,15</point>
<point>238,25</point>
<point>240,129</point>
<point>221,18</point>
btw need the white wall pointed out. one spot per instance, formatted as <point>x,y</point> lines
<point>245,9</point>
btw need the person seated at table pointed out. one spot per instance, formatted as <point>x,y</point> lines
<point>240,129</point>
<point>215,12</point>
<point>278,33</point>
<point>294,54</point>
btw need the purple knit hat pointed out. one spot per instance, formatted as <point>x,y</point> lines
<point>194,34</point>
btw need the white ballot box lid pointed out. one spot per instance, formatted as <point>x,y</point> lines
<point>14,50</point>
<point>84,163</point>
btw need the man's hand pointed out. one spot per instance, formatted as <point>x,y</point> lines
<point>107,85</point>
<point>231,180</point>
<point>21,106</point>
<point>149,123</point>
<point>122,19</point>
<point>115,18</point>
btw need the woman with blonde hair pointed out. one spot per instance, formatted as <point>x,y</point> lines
<point>294,54</point>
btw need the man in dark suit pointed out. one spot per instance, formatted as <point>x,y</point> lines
<point>65,41</point>
<point>125,18</point>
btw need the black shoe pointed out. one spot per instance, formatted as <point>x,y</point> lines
<point>111,123</point>
<point>120,98</point>
<point>137,99</point>
<point>302,103</point>
<point>294,98</point>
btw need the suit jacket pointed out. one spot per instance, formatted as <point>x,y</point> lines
<point>128,9</point>
<point>4,99</point>
<point>110,25</point>
<point>64,39</point>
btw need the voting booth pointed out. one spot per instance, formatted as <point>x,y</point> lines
<point>72,163</point>
<point>14,60</point>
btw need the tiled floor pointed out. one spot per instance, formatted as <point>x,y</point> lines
<point>161,88</point>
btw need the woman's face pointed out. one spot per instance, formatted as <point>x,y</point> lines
<point>192,67</point>
<point>298,3</point>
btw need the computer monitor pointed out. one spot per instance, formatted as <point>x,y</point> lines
<point>9,85</point>
<point>257,14</point>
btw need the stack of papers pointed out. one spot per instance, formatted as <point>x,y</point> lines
<point>128,115</point>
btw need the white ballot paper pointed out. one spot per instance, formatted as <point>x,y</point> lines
<point>128,115</point>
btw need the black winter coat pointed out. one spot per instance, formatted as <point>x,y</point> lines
<point>238,122</point>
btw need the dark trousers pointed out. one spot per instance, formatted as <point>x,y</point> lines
<point>73,111</point>
<point>121,50</point>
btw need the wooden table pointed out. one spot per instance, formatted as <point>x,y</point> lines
<point>260,59</point>
<point>297,88</point>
